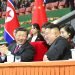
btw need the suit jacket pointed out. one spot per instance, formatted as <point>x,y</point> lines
<point>59,50</point>
<point>26,52</point>
<point>39,38</point>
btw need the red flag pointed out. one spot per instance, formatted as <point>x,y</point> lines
<point>11,21</point>
<point>39,13</point>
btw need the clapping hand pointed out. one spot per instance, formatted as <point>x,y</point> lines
<point>3,49</point>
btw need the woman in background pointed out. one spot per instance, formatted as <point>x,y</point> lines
<point>68,33</point>
<point>35,33</point>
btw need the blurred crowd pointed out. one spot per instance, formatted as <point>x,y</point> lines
<point>20,3</point>
<point>17,3</point>
<point>27,6</point>
<point>26,3</point>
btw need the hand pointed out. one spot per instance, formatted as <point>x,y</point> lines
<point>3,49</point>
<point>45,58</point>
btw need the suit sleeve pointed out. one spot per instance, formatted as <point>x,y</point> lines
<point>28,54</point>
<point>57,50</point>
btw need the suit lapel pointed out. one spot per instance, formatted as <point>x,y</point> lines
<point>21,49</point>
<point>13,48</point>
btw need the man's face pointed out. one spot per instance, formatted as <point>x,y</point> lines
<point>50,36</point>
<point>21,37</point>
<point>34,30</point>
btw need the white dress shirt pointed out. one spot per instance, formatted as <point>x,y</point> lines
<point>34,38</point>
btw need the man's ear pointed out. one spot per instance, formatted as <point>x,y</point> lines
<point>57,33</point>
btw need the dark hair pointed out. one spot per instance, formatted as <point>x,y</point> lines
<point>21,29</point>
<point>70,29</point>
<point>51,26</point>
<point>45,24</point>
<point>35,25</point>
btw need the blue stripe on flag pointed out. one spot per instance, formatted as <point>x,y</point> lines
<point>12,2</point>
<point>8,34</point>
<point>7,37</point>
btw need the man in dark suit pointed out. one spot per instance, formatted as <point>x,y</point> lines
<point>20,46</point>
<point>59,46</point>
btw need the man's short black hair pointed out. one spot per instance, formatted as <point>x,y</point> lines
<point>45,24</point>
<point>51,26</point>
<point>21,29</point>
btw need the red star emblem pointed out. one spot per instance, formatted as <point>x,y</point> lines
<point>7,14</point>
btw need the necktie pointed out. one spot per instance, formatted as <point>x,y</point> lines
<point>16,49</point>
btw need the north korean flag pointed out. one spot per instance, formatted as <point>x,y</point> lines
<point>11,22</point>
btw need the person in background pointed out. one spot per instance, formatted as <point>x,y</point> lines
<point>25,3</point>
<point>31,0</point>
<point>0,6</point>
<point>35,33</point>
<point>3,5</point>
<point>59,47</point>
<point>20,46</point>
<point>68,32</point>
<point>70,3</point>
